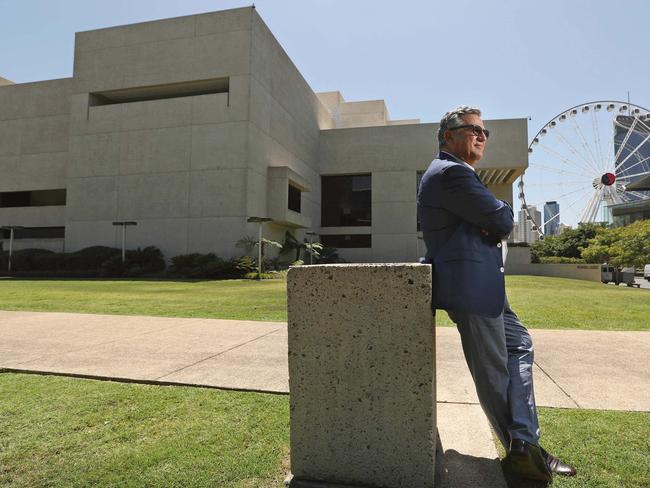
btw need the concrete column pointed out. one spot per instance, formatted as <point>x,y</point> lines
<point>362,376</point>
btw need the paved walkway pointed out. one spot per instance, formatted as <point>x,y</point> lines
<point>574,369</point>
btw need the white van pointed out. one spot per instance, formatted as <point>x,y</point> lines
<point>646,272</point>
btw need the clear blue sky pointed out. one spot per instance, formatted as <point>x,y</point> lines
<point>512,58</point>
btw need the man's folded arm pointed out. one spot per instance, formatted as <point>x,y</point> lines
<point>469,199</point>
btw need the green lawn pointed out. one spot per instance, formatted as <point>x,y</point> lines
<point>609,449</point>
<point>69,432</point>
<point>65,432</point>
<point>227,299</point>
<point>559,303</point>
<point>541,302</point>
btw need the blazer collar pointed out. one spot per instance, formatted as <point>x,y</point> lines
<point>450,157</point>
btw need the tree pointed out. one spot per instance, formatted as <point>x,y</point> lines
<point>569,244</point>
<point>621,246</point>
<point>249,243</point>
<point>292,244</point>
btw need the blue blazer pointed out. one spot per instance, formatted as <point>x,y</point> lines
<point>462,224</point>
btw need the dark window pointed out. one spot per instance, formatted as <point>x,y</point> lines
<point>35,233</point>
<point>346,200</point>
<point>347,240</point>
<point>418,179</point>
<point>37,198</point>
<point>294,199</point>
<point>160,92</point>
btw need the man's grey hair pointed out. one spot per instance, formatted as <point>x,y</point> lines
<point>454,118</point>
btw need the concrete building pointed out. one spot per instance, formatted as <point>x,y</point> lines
<point>525,232</point>
<point>190,125</point>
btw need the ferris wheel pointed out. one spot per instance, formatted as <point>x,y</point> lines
<point>583,163</point>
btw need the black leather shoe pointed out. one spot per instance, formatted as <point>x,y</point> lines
<point>556,466</point>
<point>525,461</point>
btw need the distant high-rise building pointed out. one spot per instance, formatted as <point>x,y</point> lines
<point>633,157</point>
<point>525,231</point>
<point>551,218</point>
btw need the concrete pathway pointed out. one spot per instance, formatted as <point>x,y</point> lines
<point>574,369</point>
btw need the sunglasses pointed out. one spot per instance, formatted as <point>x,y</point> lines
<point>477,130</point>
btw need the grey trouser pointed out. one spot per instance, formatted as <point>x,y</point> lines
<point>499,353</point>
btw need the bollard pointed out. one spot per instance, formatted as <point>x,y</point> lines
<point>361,376</point>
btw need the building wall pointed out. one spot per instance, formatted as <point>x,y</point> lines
<point>177,166</point>
<point>191,169</point>
<point>286,117</point>
<point>34,149</point>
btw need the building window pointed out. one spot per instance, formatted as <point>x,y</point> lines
<point>160,92</point>
<point>35,233</point>
<point>348,241</point>
<point>346,200</point>
<point>38,198</point>
<point>294,198</point>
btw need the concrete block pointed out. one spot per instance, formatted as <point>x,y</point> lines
<point>94,155</point>
<point>80,234</point>
<point>93,120</point>
<point>362,375</point>
<point>214,108</point>
<point>91,199</point>
<point>152,114</point>
<point>159,62</point>
<point>45,134</point>
<point>394,186</point>
<point>218,235</point>
<point>49,216</point>
<point>222,54</point>
<point>217,193</point>
<point>219,146</point>
<point>394,217</point>
<point>11,133</point>
<point>223,21</point>
<point>138,200</point>
<point>396,248</point>
<point>156,150</point>
<point>44,171</point>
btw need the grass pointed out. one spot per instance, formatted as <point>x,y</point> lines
<point>57,432</point>
<point>71,432</point>
<point>541,302</point>
<point>610,449</point>
<point>559,303</point>
<point>227,299</point>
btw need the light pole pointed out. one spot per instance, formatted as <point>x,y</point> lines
<point>259,220</point>
<point>11,229</point>
<point>311,249</point>
<point>124,224</point>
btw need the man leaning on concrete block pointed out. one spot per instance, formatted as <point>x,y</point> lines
<point>464,228</point>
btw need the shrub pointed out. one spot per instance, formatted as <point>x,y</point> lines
<point>211,266</point>
<point>137,263</point>
<point>264,276</point>
<point>560,260</point>
<point>90,258</point>
<point>55,261</point>
<point>23,260</point>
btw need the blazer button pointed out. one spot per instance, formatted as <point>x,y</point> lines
<point>499,244</point>
<point>501,269</point>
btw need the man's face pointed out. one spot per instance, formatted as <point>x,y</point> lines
<point>464,143</point>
